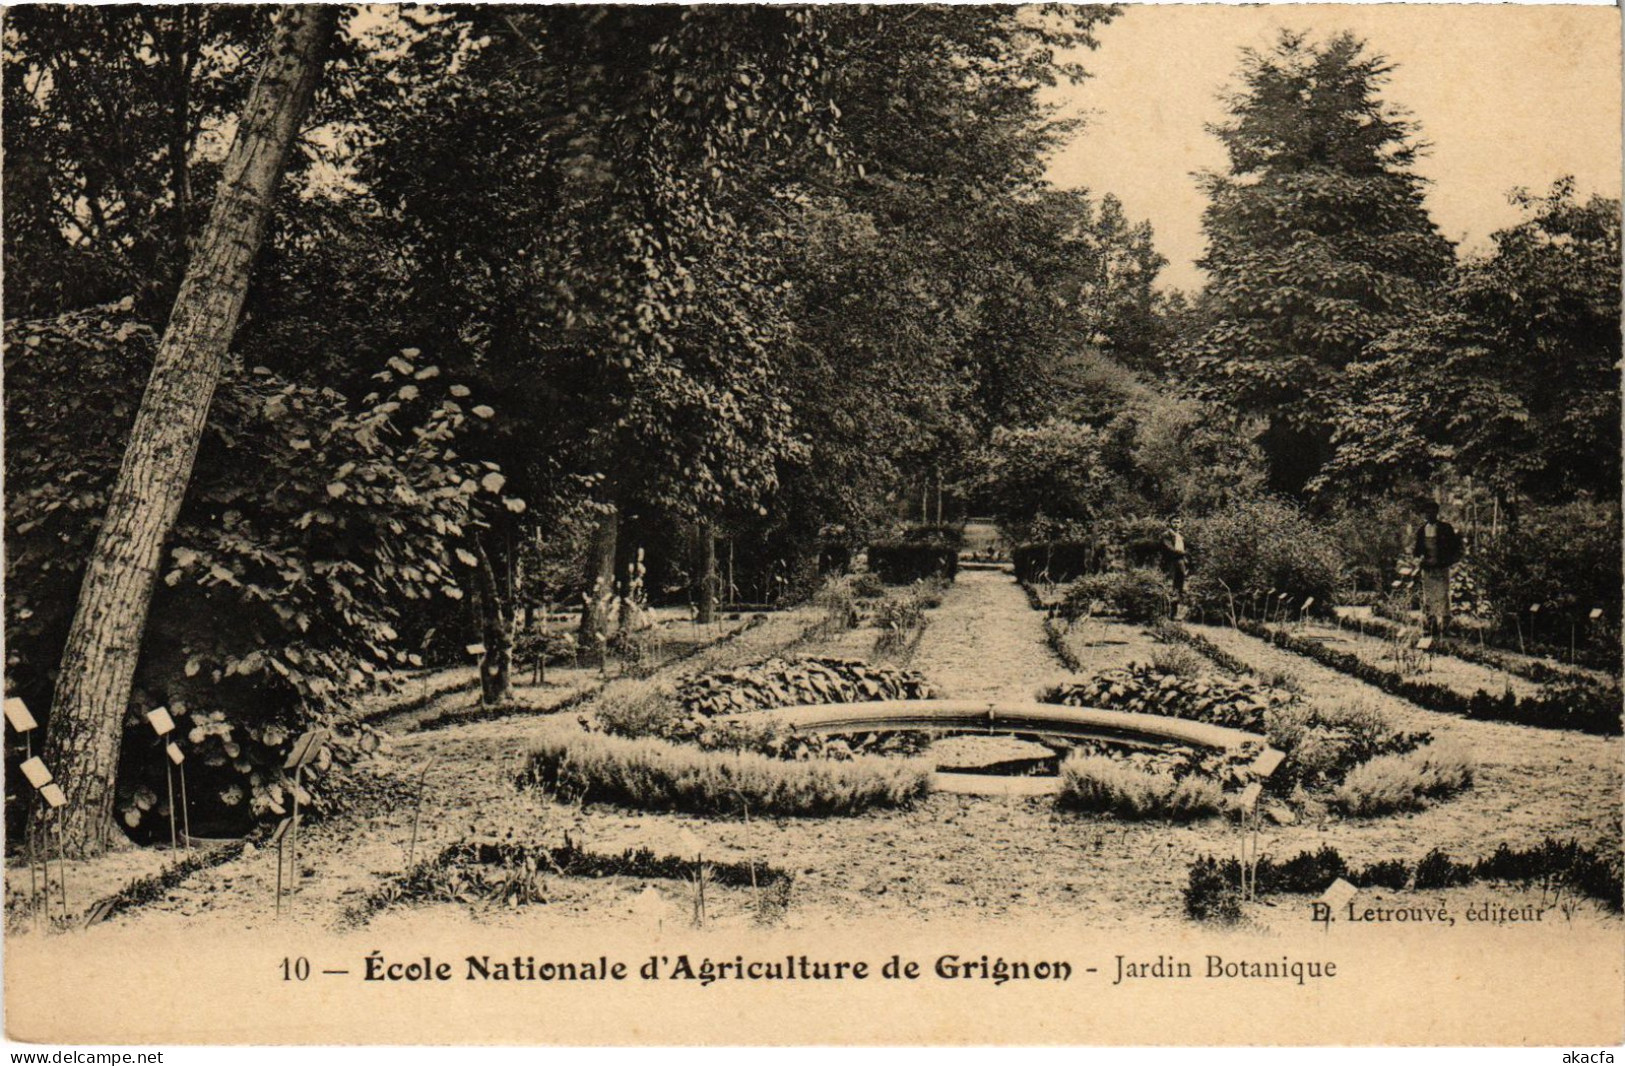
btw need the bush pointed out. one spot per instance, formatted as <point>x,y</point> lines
<point>1252,546</point>
<point>1096,783</point>
<point>1392,783</point>
<point>655,775</point>
<point>839,601</point>
<point>1057,561</point>
<point>902,562</point>
<point>1566,559</point>
<point>1323,744</point>
<point>868,586</point>
<point>314,534</point>
<point>1212,893</point>
<point>1137,596</point>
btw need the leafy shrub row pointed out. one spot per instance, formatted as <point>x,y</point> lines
<point>1143,689</point>
<point>902,562</point>
<point>1586,708</point>
<point>1057,561</point>
<point>799,682</point>
<point>652,774</point>
<point>1099,784</point>
<point>1323,745</point>
<point>1137,596</point>
<point>1212,889</point>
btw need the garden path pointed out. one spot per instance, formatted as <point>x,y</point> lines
<point>985,642</point>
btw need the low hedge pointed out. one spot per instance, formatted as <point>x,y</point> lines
<point>1587,708</point>
<point>1057,561</point>
<point>1213,893</point>
<point>1390,783</point>
<point>944,533</point>
<point>1098,784</point>
<point>901,562</point>
<point>652,774</point>
<point>1386,626</point>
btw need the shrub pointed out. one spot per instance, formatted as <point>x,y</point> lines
<point>839,601</point>
<point>868,586</point>
<point>1391,783</point>
<point>1103,785</point>
<point>314,532</point>
<point>1323,744</point>
<point>1146,690</point>
<point>1438,870</point>
<point>1056,561</point>
<point>946,534</point>
<point>1178,661</point>
<point>655,775</point>
<point>901,562</point>
<point>1213,894</point>
<point>639,709</point>
<point>1252,546</point>
<point>1031,477</point>
<point>1566,559</point>
<point>1138,596</point>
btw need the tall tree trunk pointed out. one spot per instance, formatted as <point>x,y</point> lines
<point>99,659</point>
<point>496,629</point>
<point>600,580</point>
<point>707,590</point>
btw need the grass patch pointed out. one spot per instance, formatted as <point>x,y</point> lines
<point>1102,785</point>
<point>652,774</point>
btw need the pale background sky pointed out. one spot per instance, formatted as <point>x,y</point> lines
<point>1508,95</point>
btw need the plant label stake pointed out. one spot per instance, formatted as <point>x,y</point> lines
<point>178,759</point>
<point>1268,761</point>
<point>1249,856</point>
<point>52,794</point>
<point>417,811</point>
<point>277,836</point>
<point>305,750</point>
<point>162,724</point>
<point>1338,895</point>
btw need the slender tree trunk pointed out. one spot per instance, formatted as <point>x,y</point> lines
<point>183,54</point>
<point>600,580</point>
<point>99,659</point>
<point>496,630</point>
<point>707,590</point>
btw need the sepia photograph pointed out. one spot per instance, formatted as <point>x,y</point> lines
<point>744,524</point>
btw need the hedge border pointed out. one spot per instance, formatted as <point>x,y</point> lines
<point>1602,718</point>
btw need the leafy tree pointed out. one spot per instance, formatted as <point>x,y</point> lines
<point>1511,375</point>
<point>314,534</point>
<point>82,741</point>
<point>1043,481</point>
<point>1318,240</point>
<point>113,145</point>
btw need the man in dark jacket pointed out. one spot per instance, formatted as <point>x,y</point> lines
<point>1438,548</point>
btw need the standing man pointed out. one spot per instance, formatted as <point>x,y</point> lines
<point>1173,559</point>
<point>1438,548</point>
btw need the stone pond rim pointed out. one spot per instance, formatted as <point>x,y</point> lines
<point>1007,716</point>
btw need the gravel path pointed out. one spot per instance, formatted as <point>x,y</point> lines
<point>984,642</point>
